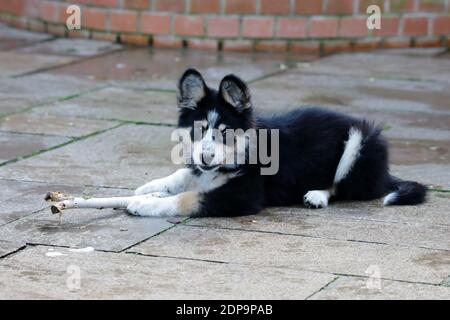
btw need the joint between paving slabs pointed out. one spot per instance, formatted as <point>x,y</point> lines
<point>329,284</point>
<point>59,145</point>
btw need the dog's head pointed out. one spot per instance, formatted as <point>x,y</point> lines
<point>212,115</point>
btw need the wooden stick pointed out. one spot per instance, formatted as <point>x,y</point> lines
<point>64,201</point>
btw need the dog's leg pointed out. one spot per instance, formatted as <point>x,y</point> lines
<point>171,185</point>
<point>182,204</point>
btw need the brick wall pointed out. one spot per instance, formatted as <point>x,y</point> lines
<point>309,26</point>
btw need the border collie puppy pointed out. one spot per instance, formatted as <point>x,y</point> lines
<point>322,156</point>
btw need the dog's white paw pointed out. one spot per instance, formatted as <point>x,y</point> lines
<point>142,207</point>
<point>315,199</point>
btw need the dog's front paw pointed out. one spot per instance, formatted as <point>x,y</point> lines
<point>142,207</point>
<point>315,199</point>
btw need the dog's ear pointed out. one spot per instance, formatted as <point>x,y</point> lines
<point>192,89</point>
<point>235,92</point>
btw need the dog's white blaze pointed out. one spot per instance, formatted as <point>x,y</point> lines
<point>350,154</point>
<point>212,117</point>
<point>390,198</point>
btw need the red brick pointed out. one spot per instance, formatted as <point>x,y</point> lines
<point>415,26</point>
<point>431,5</point>
<point>204,44</point>
<point>306,47</point>
<point>366,44</point>
<point>83,34</point>
<point>353,27</point>
<point>31,8</point>
<point>12,6</point>
<point>237,45</point>
<point>275,6</point>
<point>323,27</point>
<point>37,26</point>
<point>137,4</point>
<point>103,36</point>
<point>240,6</point>
<point>308,7</point>
<point>335,46</point>
<point>49,11</point>
<point>257,27</point>
<point>188,25</point>
<point>105,3</point>
<point>56,29</point>
<point>223,27</point>
<point>155,23</point>
<point>123,21</point>
<point>167,42</point>
<point>93,18</point>
<point>402,5</point>
<point>364,4</point>
<point>292,27</point>
<point>169,5</point>
<point>205,6</point>
<point>395,43</point>
<point>428,42</point>
<point>339,6</point>
<point>134,39</point>
<point>389,27</point>
<point>271,46</point>
<point>441,25</point>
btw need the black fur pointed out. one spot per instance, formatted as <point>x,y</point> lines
<point>312,142</point>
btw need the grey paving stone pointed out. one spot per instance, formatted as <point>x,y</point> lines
<point>384,66</point>
<point>71,47</point>
<point>31,274</point>
<point>43,123</point>
<point>19,198</point>
<point>14,64</point>
<point>20,93</point>
<point>128,156</point>
<point>15,145</point>
<point>146,68</point>
<point>413,52</point>
<point>119,103</point>
<point>351,288</point>
<point>436,175</point>
<point>306,253</point>
<point>8,247</point>
<point>11,38</point>
<point>335,223</point>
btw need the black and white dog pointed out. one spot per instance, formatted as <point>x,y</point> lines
<point>322,155</point>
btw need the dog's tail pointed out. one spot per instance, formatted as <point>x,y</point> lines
<point>405,193</point>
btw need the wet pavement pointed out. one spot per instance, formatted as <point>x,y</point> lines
<point>91,118</point>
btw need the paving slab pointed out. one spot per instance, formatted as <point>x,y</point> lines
<point>147,68</point>
<point>351,288</point>
<point>119,103</point>
<point>413,52</point>
<point>435,175</point>
<point>19,198</point>
<point>11,38</point>
<point>7,247</point>
<point>128,156</point>
<point>71,47</point>
<point>16,145</point>
<point>43,123</point>
<point>21,93</point>
<point>335,223</point>
<point>302,253</point>
<point>384,66</point>
<point>14,64</point>
<point>108,229</point>
<point>32,274</point>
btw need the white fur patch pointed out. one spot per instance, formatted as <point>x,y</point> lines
<point>390,198</point>
<point>212,117</point>
<point>316,198</point>
<point>350,154</point>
